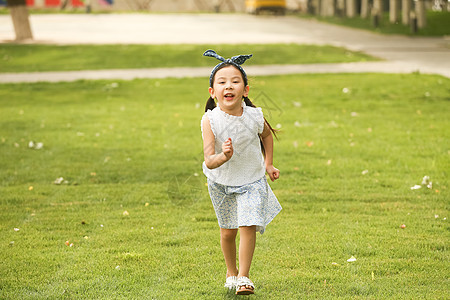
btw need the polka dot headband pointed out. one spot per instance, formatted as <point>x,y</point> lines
<point>236,61</point>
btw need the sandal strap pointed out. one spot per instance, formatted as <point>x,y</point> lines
<point>244,281</point>
<point>230,282</point>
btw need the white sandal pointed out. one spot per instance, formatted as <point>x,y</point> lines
<point>244,286</point>
<point>231,282</point>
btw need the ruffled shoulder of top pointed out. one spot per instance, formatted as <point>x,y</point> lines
<point>256,114</point>
<point>211,116</point>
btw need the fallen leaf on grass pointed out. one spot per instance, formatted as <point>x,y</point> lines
<point>351,259</point>
<point>60,180</point>
<point>426,181</point>
<point>37,146</point>
<point>111,86</point>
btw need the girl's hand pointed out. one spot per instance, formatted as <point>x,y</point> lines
<point>227,149</point>
<point>273,172</point>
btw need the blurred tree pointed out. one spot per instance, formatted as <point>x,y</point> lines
<point>20,18</point>
<point>406,11</point>
<point>394,10</point>
<point>365,8</point>
<point>351,8</point>
<point>378,7</point>
<point>421,14</point>
<point>333,8</point>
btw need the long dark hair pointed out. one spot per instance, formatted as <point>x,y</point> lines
<point>211,104</point>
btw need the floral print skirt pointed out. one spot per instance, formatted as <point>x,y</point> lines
<point>246,205</point>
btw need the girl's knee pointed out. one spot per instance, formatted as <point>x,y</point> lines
<point>228,234</point>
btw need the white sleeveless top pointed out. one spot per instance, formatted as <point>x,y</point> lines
<point>247,163</point>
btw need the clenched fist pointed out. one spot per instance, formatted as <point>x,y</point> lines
<point>273,172</point>
<point>227,149</point>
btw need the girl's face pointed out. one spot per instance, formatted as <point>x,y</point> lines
<point>229,89</point>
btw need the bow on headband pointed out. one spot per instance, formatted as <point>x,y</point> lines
<point>236,61</point>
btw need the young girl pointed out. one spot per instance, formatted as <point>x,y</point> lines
<point>238,151</point>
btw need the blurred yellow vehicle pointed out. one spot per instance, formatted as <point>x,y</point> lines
<point>256,6</point>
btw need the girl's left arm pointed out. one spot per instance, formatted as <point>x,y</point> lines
<point>267,140</point>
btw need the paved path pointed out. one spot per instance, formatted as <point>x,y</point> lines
<point>129,74</point>
<point>402,54</point>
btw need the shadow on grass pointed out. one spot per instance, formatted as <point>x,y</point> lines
<point>231,294</point>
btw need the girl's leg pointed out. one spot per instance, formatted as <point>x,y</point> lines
<point>246,249</point>
<point>228,243</point>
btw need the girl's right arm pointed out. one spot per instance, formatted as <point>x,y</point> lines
<point>213,160</point>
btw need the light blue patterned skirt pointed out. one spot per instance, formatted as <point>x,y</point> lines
<point>247,205</point>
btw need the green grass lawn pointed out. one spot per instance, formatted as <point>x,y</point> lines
<point>438,24</point>
<point>31,58</point>
<point>134,205</point>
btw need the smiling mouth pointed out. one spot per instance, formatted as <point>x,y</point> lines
<point>229,96</point>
